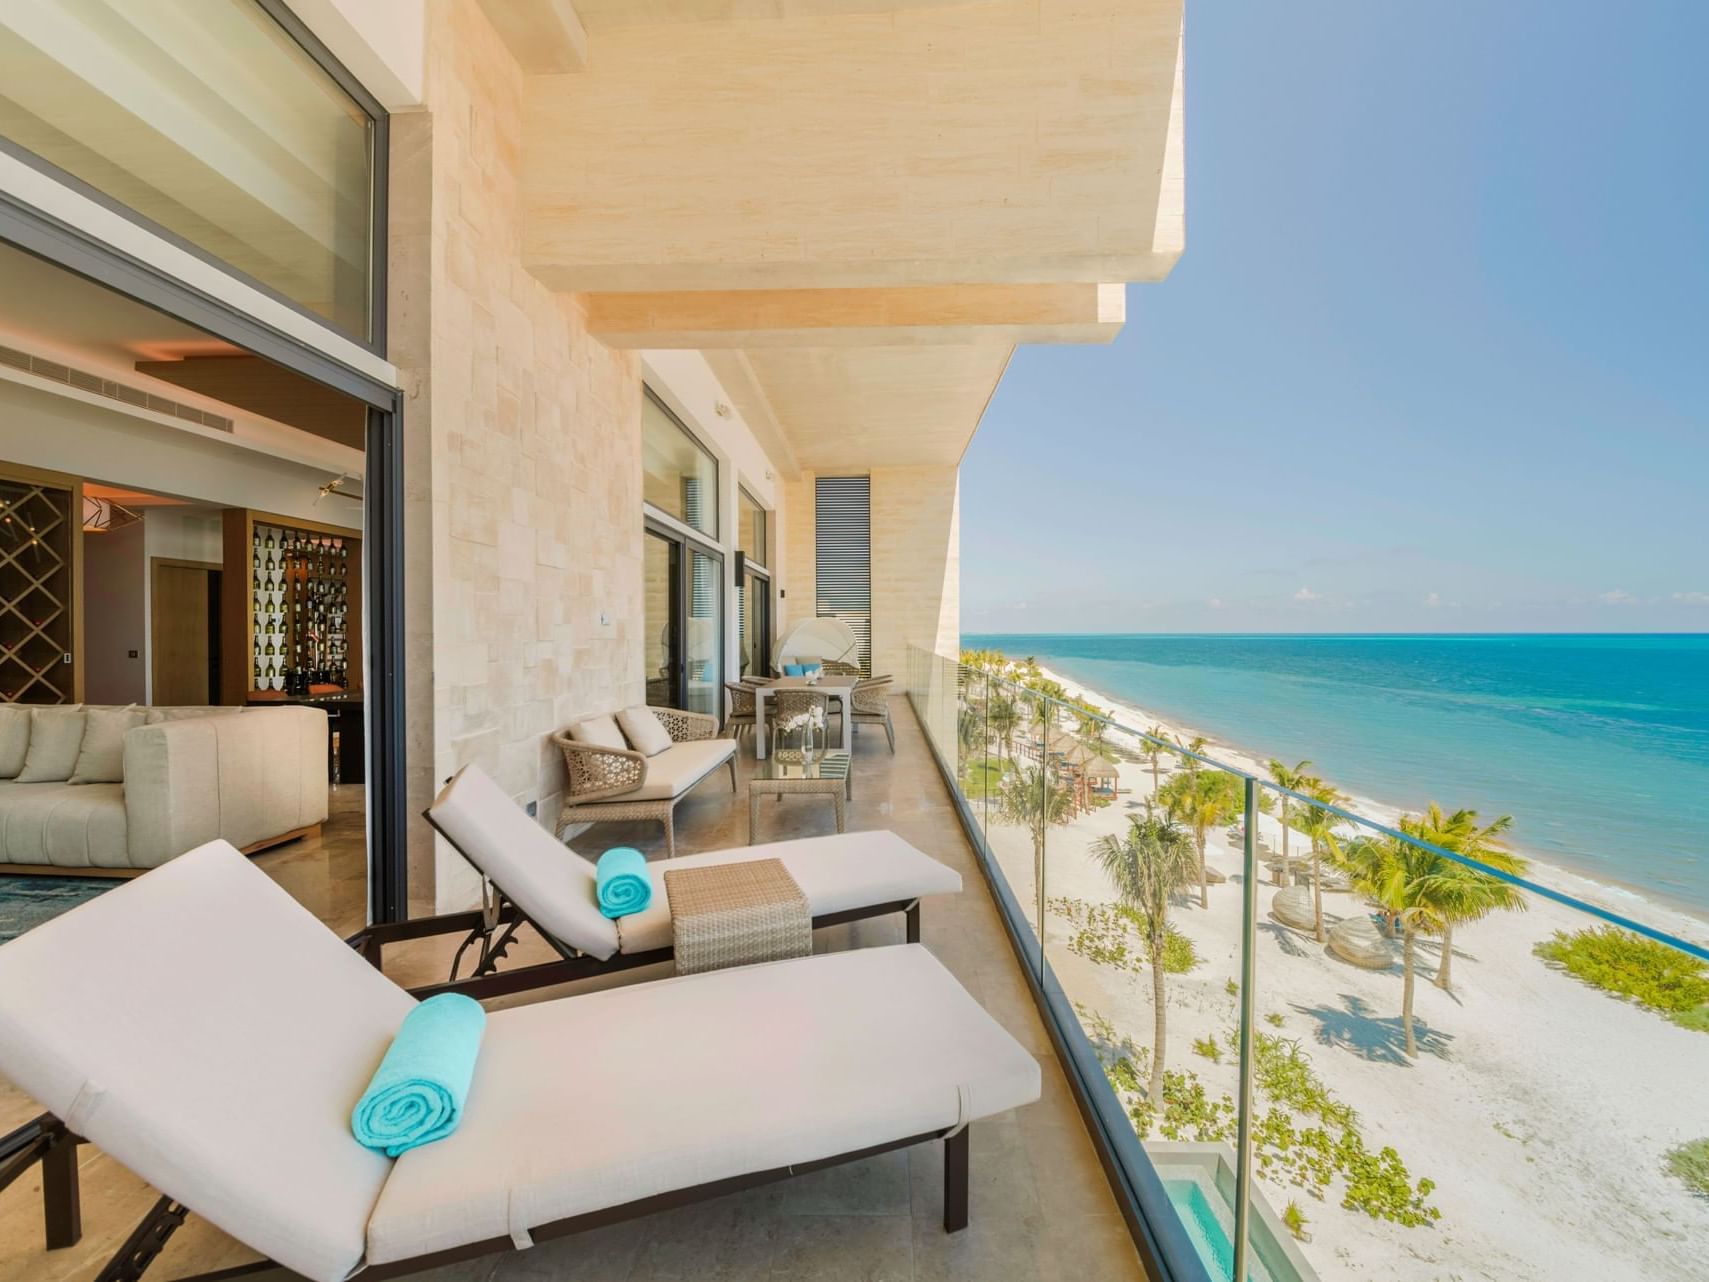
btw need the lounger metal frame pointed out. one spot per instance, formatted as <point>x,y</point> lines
<point>55,1147</point>
<point>491,929</point>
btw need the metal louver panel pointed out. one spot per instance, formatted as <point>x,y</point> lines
<point>843,556</point>
<point>96,385</point>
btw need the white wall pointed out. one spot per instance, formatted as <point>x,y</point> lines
<point>685,382</point>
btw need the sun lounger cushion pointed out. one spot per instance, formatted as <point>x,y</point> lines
<point>599,1100</point>
<point>211,1035</point>
<point>836,873</point>
<point>553,885</point>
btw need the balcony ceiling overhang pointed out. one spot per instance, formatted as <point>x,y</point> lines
<point>855,208</point>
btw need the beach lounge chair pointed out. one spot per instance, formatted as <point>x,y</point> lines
<point>208,1033</point>
<point>536,880</point>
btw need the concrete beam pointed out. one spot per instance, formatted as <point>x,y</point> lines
<point>544,36</point>
<point>952,314</point>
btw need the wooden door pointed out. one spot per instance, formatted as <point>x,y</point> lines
<point>180,633</point>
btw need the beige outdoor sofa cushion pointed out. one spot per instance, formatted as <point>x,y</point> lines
<point>556,887</point>
<point>55,735</point>
<point>206,1031</point>
<point>679,767</point>
<point>599,732</point>
<point>584,1103</point>
<point>101,754</point>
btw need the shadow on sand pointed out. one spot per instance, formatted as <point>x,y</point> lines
<point>1353,1026</point>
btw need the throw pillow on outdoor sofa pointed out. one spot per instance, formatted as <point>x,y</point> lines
<point>14,738</point>
<point>599,732</point>
<point>645,732</point>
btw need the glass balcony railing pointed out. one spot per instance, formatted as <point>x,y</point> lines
<point>1326,1047</point>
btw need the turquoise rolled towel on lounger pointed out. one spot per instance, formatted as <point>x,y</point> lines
<point>623,884</point>
<point>417,1094</point>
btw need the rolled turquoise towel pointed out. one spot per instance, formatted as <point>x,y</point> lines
<point>417,1094</point>
<point>623,884</point>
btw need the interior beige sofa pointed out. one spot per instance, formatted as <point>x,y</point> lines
<point>254,777</point>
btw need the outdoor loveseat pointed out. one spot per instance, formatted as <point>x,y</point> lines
<point>613,776</point>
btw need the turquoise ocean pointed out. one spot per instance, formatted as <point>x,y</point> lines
<point>1597,745</point>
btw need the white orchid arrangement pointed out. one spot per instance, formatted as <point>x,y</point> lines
<point>813,718</point>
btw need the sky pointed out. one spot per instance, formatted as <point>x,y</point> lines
<point>1436,357</point>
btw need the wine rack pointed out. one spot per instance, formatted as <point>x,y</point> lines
<point>38,548</point>
<point>298,621</point>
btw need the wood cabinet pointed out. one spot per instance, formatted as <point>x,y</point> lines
<point>41,625</point>
<point>290,607</point>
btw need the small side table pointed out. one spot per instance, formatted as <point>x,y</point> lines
<point>829,774</point>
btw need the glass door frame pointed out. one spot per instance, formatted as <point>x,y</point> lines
<point>684,543</point>
<point>758,579</point>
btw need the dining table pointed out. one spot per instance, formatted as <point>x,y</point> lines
<point>837,686</point>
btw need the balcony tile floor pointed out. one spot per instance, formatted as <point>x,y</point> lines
<point>1041,1208</point>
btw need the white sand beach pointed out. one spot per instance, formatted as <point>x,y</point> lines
<point>1541,1108</point>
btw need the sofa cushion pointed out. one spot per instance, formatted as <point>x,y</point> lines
<point>599,732</point>
<point>64,826</point>
<point>101,755</point>
<point>644,731</point>
<point>583,1103</point>
<point>679,767</point>
<point>55,736</point>
<point>14,738</point>
<point>157,715</point>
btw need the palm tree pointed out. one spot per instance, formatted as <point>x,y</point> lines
<point>1153,750</point>
<point>1002,718</point>
<point>1481,893</point>
<point>1195,744</point>
<point>1202,802</point>
<point>1294,779</point>
<point>1148,865</point>
<point>1036,801</point>
<point>1089,723</point>
<point>1423,892</point>
<point>1319,823</point>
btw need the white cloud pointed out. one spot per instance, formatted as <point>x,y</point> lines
<point>1215,603</point>
<point>1691,598</point>
<point>1619,596</point>
<point>1306,594</point>
<point>1434,600</point>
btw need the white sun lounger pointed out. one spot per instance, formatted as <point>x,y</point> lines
<point>209,1034</point>
<point>540,881</point>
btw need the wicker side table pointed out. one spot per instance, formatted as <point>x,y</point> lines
<point>786,773</point>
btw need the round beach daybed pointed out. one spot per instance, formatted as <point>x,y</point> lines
<point>1292,906</point>
<point>1360,941</point>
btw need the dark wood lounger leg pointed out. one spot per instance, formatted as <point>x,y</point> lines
<point>955,1181</point>
<point>913,916</point>
<point>62,1201</point>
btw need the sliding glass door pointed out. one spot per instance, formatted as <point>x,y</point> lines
<point>684,588</point>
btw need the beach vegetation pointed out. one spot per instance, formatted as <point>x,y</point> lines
<point>1645,971</point>
<point>1208,1048</point>
<point>1689,1164</point>
<point>1002,719</point>
<point>981,777</point>
<point>1294,1219</point>
<point>1147,865</point>
<point>1295,779</point>
<point>1202,801</point>
<point>1274,1019</point>
<point>1034,799</point>
<point>1153,751</point>
<point>1232,988</point>
<point>1114,934</point>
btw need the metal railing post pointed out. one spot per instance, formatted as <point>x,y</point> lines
<point>1248,969</point>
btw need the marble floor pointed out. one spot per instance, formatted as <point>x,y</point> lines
<point>1041,1208</point>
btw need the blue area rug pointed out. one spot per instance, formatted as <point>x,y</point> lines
<point>29,901</point>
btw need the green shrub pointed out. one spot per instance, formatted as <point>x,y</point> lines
<point>1274,1019</point>
<point>1207,1047</point>
<point>1645,971</point>
<point>1231,988</point>
<point>1689,1164</point>
<point>1295,1219</point>
<point>1114,935</point>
